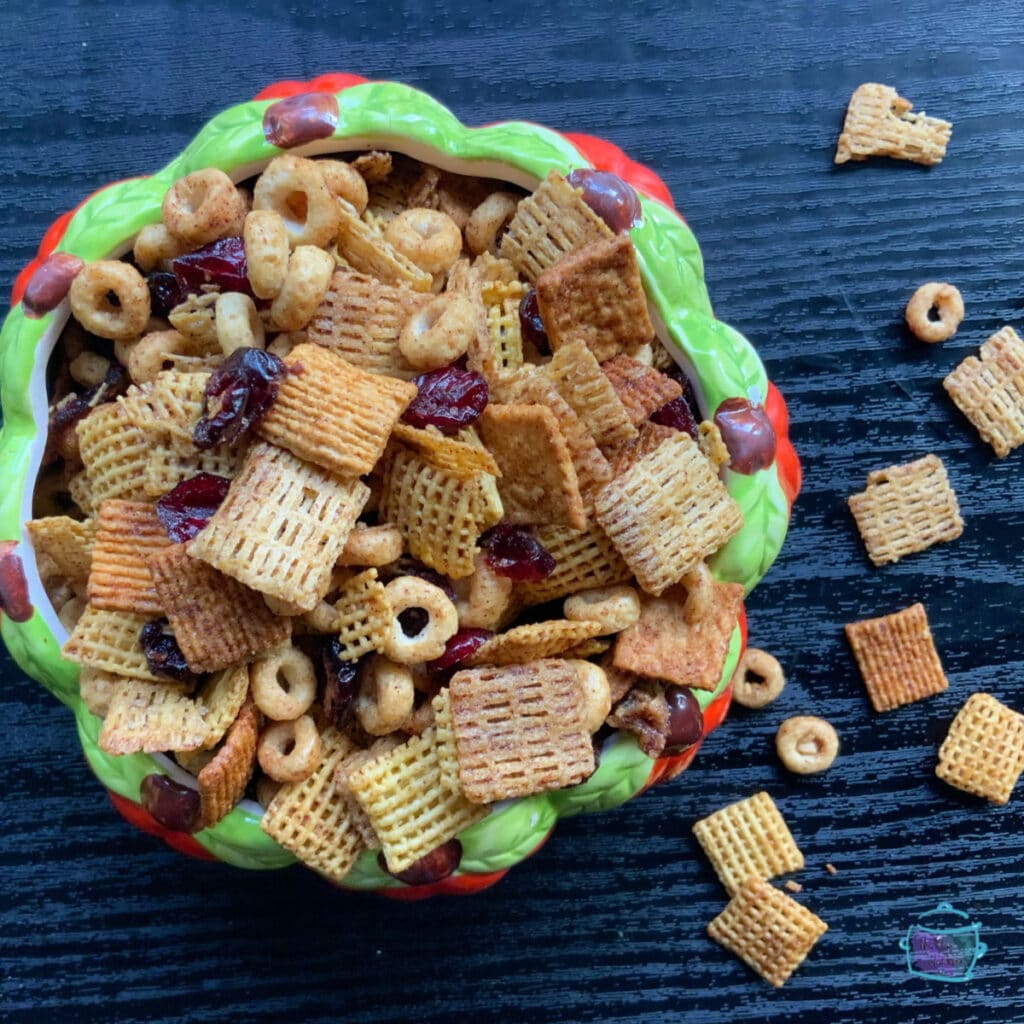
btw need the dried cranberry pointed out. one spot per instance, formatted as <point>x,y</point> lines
<point>449,399</point>
<point>747,433</point>
<point>685,720</point>
<point>456,651</point>
<point>165,292</point>
<point>431,867</point>
<point>221,263</point>
<point>238,395</point>
<point>163,655</point>
<point>184,511</point>
<point>612,199</point>
<point>340,686</point>
<point>530,323</point>
<point>681,413</point>
<point>173,805</point>
<point>513,551</point>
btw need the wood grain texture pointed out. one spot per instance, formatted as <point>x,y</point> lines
<point>739,110</point>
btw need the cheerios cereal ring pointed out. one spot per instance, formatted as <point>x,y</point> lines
<point>948,304</point>
<point>284,684</point>
<point>597,694</point>
<point>202,206</point>
<point>309,276</point>
<point>487,220</point>
<point>88,368</point>
<point>238,323</point>
<point>290,751</point>
<point>122,318</point>
<point>372,546</point>
<point>152,353</point>
<point>154,244</point>
<point>431,239</point>
<point>806,744</point>
<point>615,608</point>
<point>484,596</point>
<point>699,592</point>
<point>386,696</point>
<point>295,188</point>
<point>439,333</point>
<point>344,181</point>
<point>757,680</point>
<point>266,252</point>
<point>408,592</point>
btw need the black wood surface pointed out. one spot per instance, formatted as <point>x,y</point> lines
<point>738,107</point>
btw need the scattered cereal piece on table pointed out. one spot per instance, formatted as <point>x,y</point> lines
<point>758,679</point>
<point>948,307</point>
<point>806,744</point>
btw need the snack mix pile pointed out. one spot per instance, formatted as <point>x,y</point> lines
<point>371,496</point>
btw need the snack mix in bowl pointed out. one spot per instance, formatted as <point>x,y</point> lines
<point>380,490</point>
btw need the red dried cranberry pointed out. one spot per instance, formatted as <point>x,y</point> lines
<point>449,399</point>
<point>456,651</point>
<point>747,433</point>
<point>163,655</point>
<point>681,413</point>
<point>184,511</point>
<point>513,551</point>
<point>431,867</point>
<point>612,199</point>
<point>165,292</point>
<point>173,805</point>
<point>530,323</point>
<point>238,395</point>
<point>340,686</point>
<point>685,720</point>
<point>221,263</point>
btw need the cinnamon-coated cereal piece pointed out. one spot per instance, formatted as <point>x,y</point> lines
<point>597,694</point>
<point>154,244</point>
<point>806,744</point>
<point>428,238</point>
<point>283,684</point>
<point>150,355</point>
<point>89,368</point>
<point>614,608</point>
<point>372,545</point>
<point>238,323</point>
<point>934,311</point>
<point>122,319</point>
<point>344,181</point>
<point>487,220</point>
<point>295,188</point>
<point>203,206</point>
<point>290,751</point>
<point>483,597</point>
<point>757,680</point>
<point>407,592</point>
<point>439,333</point>
<point>386,696</point>
<point>266,252</point>
<point>305,285</point>
<point>700,591</point>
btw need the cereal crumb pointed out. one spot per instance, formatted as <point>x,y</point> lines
<point>794,886</point>
<point>831,869</point>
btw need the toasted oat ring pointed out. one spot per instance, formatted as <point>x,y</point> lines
<point>439,333</point>
<point>284,684</point>
<point>487,220</point>
<point>154,244</point>
<point>431,239</point>
<point>295,188</point>
<point>386,696</point>
<point>372,546</point>
<point>806,744</point>
<point>238,323</point>
<point>309,276</point>
<point>151,354</point>
<point>699,592</point>
<point>344,181</point>
<point>948,305</point>
<point>597,694</point>
<point>122,318</point>
<point>757,680</point>
<point>483,597</point>
<point>290,751</point>
<point>615,608</point>
<point>89,368</point>
<point>266,252</point>
<point>202,206</point>
<point>407,592</point>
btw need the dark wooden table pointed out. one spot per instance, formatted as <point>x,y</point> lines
<point>739,110</point>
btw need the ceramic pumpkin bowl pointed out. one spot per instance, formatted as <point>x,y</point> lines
<point>343,113</point>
